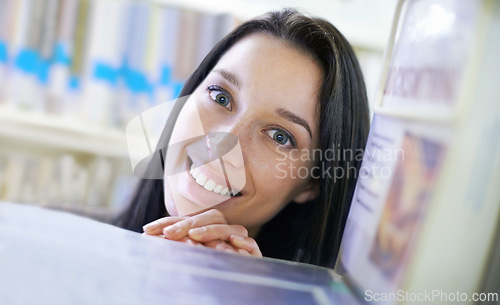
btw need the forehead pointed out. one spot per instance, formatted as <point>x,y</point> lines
<point>276,72</point>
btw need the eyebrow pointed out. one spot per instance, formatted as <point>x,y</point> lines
<point>294,118</point>
<point>230,77</point>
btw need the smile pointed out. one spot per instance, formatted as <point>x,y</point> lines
<point>208,184</point>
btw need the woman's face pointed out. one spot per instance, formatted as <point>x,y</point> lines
<point>248,128</point>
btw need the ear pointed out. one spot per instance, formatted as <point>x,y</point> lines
<point>310,191</point>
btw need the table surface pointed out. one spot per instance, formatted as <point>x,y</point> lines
<point>51,257</point>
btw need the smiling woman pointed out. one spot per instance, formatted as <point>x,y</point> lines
<point>279,85</point>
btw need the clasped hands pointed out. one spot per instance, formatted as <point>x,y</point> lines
<point>209,229</point>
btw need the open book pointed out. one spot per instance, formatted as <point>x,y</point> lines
<point>424,217</point>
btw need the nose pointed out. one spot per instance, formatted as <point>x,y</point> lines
<point>225,145</point>
<point>220,143</point>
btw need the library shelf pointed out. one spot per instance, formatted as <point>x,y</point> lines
<point>57,132</point>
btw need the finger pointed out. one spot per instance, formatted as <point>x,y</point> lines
<point>189,241</point>
<point>154,235</point>
<point>217,232</point>
<point>221,246</point>
<point>181,228</point>
<point>156,227</point>
<point>224,246</point>
<point>244,252</point>
<point>246,243</point>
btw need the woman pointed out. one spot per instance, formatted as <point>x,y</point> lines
<point>288,88</point>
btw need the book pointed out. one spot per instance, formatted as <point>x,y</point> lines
<point>137,89</point>
<point>60,70</point>
<point>426,207</point>
<point>70,259</point>
<point>490,284</point>
<point>169,31</point>
<point>188,43</point>
<point>22,58</point>
<point>103,55</point>
<point>100,61</point>
<point>6,8</point>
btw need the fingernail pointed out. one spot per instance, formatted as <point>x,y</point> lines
<point>171,229</point>
<point>150,226</point>
<point>237,237</point>
<point>198,231</point>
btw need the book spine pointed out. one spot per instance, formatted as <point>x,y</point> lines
<point>23,59</point>
<point>168,88</point>
<point>60,72</point>
<point>188,43</point>
<point>5,11</point>
<point>101,64</point>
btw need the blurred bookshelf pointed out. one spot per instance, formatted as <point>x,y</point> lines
<point>73,73</point>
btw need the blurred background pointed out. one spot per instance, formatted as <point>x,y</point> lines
<point>73,73</point>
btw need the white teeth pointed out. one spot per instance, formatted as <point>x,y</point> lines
<point>195,172</point>
<point>224,191</point>
<point>208,184</point>
<point>201,179</point>
<point>217,189</point>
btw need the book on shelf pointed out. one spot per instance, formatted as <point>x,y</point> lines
<point>426,208</point>
<point>187,42</point>
<point>5,8</point>
<point>20,82</point>
<point>168,26</point>
<point>102,53</point>
<point>102,61</point>
<point>63,180</point>
<point>97,61</point>
<point>60,70</point>
<point>491,282</point>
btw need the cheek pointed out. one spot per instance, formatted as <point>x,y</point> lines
<point>169,199</point>
<point>188,124</point>
<point>275,184</point>
<point>279,178</point>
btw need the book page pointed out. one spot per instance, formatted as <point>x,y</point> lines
<point>396,182</point>
<point>430,56</point>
